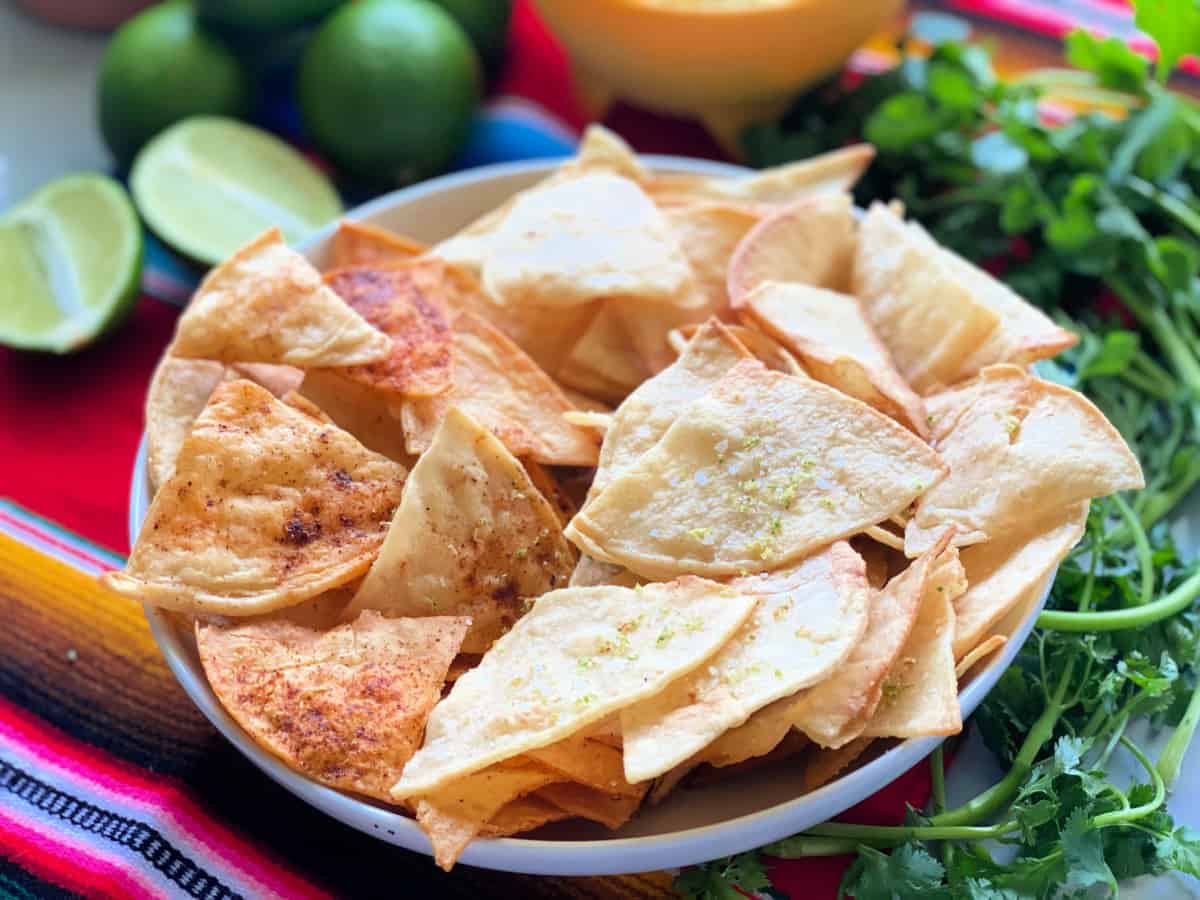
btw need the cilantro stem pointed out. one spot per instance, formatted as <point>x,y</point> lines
<point>937,779</point>
<point>1171,758</point>
<point>1120,619</point>
<point>899,833</point>
<point>1141,544</point>
<point>1122,816</point>
<point>1168,203</point>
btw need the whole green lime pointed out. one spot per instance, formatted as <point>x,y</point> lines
<point>160,68</point>
<point>486,24</point>
<point>261,15</point>
<point>387,88</point>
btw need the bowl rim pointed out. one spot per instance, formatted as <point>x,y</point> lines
<point>609,856</point>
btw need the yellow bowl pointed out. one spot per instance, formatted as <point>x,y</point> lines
<point>725,62</point>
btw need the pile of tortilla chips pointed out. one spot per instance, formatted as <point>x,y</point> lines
<point>641,479</point>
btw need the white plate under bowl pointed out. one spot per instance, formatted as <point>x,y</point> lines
<point>692,825</point>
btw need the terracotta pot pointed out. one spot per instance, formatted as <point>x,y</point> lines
<point>94,15</point>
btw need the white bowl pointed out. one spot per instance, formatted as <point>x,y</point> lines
<point>692,825</point>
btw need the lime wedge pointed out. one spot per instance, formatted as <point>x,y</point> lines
<point>208,185</point>
<point>70,264</point>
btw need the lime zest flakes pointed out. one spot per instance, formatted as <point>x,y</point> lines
<point>631,625</point>
<point>743,504</point>
<point>699,533</point>
<point>584,700</point>
<point>750,485</point>
<point>521,552</point>
<point>664,636</point>
<point>751,441</point>
<point>828,503</point>
<point>585,662</point>
<point>693,626</point>
<point>775,527</point>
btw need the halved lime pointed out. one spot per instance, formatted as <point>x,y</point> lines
<point>207,185</point>
<point>70,264</point>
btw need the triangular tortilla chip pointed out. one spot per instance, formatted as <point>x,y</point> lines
<point>984,649</point>
<point>1000,572</point>
<point>833,172</point>
<point>361,244</point>
<point>808,619</point>
<point>472,537</point>
<point>346,706</point>
<point>578,655</point>
<point>662,787</point>
<point>404,303</point>
<point>586,238</point>
<point>824,764</point>
<point>762,347</point>
<point>809,243</point>
<point>604,356</point>
<point>1038,447</point>
<point>279,380</point>
<point>708,233</point>
<point>942,319</point>
<point>521,815</point>
<point>178,393</point>
<point>646,414</point>
<point>610,810</point>
<point>502,388</point>
<point>589,762</point>
<point>266,303</point>
<point>363,411</point>
<point>763,469</point>
<point>835,712</point>
<point>266,508</point>
<point>920,693</point>
<point>757,736</point>
<point>452,816</point>
<point>552,489</point>
<point>836,344</point>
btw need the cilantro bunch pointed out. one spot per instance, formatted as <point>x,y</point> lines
<point>1097,221</point>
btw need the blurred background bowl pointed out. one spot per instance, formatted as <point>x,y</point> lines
<point>725,62</point>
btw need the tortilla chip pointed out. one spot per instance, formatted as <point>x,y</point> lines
<point>942,319</point>
<point>591,572</point>
<point>588,762</point>
<point>877,558</point>
<point>178,393</point>
<point>498,385</point>
<point>472,537</point>
<point>578,655</point>
<point>452,816</point>
<point>757,736</point>
<point>641,421</point>
<point>983,650</point>
<point>1001,572</point>
<point>345,707</point>
<point>829,173</point>
<point>361,410</point>
<point>792,744</point>
<point>603,150</point>
<point>267,507</point>
<point>361,244</point>
<point>404,303</point>
<point>708,233</point>
<point>884,536</point>
<point>830,334</point>
<point>762,347</point>
<point>1037,446</point>
<point>610,810</point>
<point>462,663</point>
<point>600,421</point>
<point>920,693</point>
<point>835,711</point>
<point>521,815</point>
<point>604,356</point>
<point>607,731</point>
<point>807,621</point>
<point>824,764</point>
<point>662,787</point>
<point>584,403</point>
<point>266,303</point>
<point>586,238</point>
<point>279,380</point>
<point>774,466</point>
<point>810,243</point>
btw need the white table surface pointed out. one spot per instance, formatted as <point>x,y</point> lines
<point>48,128</point>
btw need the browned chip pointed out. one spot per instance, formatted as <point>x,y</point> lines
<point>453,815</point>
<point>506,391</point>
<point>521,815</point>
<point>472,536</point>
<point>361,410</point>
<point>823,765</point>
<point>985,649</point>
<point>347,706</point>
<point>360,244</point>
<point>404,302</point>
<point>588,762</point>
<point>550,487</point>
<point>610,810</point>
<point>267,507</point>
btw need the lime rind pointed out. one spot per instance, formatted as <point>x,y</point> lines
<point>88,300</point>
<point>208,185</point>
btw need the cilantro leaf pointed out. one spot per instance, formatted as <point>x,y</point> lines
<point>1114,64</point>
<point>908,871</point>
<point>1083,851</point>
<point>1181,850</point>
<point>721,878</point>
